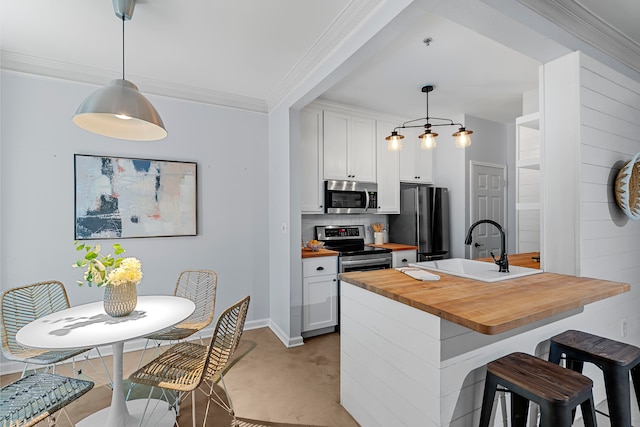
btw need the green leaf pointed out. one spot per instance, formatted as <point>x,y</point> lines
<point>90,255</point>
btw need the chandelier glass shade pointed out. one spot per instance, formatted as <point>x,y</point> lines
<point>428,138</point>
<point>119,110</point>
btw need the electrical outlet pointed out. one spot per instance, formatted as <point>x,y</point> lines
<point>624,328</point>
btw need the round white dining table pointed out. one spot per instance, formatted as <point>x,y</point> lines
<point>88,325</point>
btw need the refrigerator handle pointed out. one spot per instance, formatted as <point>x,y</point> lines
<point>417,201</point>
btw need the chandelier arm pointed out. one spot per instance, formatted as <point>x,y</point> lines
<point>404,125</point>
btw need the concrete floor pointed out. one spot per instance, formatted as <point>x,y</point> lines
<point>269,384</point>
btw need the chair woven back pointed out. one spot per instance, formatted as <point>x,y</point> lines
<point>24,304</point>
<point>225,337</point>
<point>200,287</point>
<point>31,399</point>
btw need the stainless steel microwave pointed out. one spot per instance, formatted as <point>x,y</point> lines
<point>348,197</point>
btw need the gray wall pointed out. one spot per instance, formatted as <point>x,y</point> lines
<point>37,206</point>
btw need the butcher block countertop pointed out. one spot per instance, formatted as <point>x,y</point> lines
<point>395,246</point>
<point>488,308</point>
<point>308,253</point>
<point>526,259</point>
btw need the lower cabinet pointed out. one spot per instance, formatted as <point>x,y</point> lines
<point>319,295</point>
<point>403,258</point>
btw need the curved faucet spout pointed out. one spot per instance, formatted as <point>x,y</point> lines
<point>503,261</point>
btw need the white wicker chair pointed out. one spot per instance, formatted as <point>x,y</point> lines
<point>187,366</point>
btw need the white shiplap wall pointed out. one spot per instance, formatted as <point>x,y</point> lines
<point>590,127</point>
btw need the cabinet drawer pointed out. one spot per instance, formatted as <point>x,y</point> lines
<point>403,258</point>
<point>319,266</point>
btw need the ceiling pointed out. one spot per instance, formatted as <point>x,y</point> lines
<point>248,53</point>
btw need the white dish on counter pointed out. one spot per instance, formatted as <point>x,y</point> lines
<point>476,270</point>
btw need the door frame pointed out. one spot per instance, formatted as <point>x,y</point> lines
<point>472,167</point>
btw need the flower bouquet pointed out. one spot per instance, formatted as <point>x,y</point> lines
<point>119,276</point>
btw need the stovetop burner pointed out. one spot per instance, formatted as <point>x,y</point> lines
<point>348,240</point>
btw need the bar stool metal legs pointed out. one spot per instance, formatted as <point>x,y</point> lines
<point>557,390</point>
<point>614,358</point>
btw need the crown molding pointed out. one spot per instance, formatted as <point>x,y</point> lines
<point>79,73</point>
<point>578,20</point>
<point>347,21</point>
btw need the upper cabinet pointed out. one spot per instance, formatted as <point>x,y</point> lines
<point>416,164</point>
<point>349,147</point>
<point>311,197</point>
<point>388,172</point>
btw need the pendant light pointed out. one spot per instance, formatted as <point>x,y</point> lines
<point>119,110</point>
<point>428,138</point>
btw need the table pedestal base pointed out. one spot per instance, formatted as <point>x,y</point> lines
<point>158,415</point>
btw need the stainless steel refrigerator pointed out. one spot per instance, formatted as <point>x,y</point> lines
<point>423,221</point>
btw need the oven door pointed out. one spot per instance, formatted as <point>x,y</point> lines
<point>364,262</point>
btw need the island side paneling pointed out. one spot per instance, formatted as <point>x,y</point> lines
<point>401,364</point>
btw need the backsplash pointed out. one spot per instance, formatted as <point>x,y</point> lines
<point>310,221</point>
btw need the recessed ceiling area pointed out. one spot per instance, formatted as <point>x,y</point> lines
<point>471,74</point>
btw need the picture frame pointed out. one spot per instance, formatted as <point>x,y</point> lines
<point>124,197</point>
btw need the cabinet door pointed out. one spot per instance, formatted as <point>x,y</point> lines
<point>336,130</point>
<point>416,164</point>
<point>312,195</point>
<point>388,172</point>
<point>319,302</point>
<point>424,166</point>
<point>361,152</point>
<point>403,258</point>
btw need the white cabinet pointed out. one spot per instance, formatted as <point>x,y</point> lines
<point>416,164</point>
<point>528,183</point>
<point>349,147</point>
<point>312,194</point>
<point>319,293</point>
<point>403,258</point>
<point>388,172</point>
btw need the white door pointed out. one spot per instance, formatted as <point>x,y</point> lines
<point>487,202</point>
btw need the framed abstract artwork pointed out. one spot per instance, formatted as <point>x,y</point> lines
<point>119,197</point>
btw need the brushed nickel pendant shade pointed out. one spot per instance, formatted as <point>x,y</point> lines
<point>119,110</point>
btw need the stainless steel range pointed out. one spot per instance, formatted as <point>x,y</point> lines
<point>354,254</point>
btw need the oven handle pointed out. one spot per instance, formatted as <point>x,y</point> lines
<point>368,261</point>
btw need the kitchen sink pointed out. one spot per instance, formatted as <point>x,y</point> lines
<point>476,270</point>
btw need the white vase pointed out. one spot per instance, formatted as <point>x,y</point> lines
<point>120,300</point>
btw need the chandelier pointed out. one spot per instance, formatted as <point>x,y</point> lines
<point>428,138</point>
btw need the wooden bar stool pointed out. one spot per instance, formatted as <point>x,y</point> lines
<point>557,390</point>
<point>615,359</point>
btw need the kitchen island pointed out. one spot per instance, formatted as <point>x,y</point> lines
<point>414,352</point>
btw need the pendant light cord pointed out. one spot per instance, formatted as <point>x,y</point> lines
<point>123,47</point>
<point>427,93</point>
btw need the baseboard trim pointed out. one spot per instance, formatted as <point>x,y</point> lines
<point>288,341</point>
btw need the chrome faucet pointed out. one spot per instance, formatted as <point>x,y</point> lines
<point>503,261</point>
